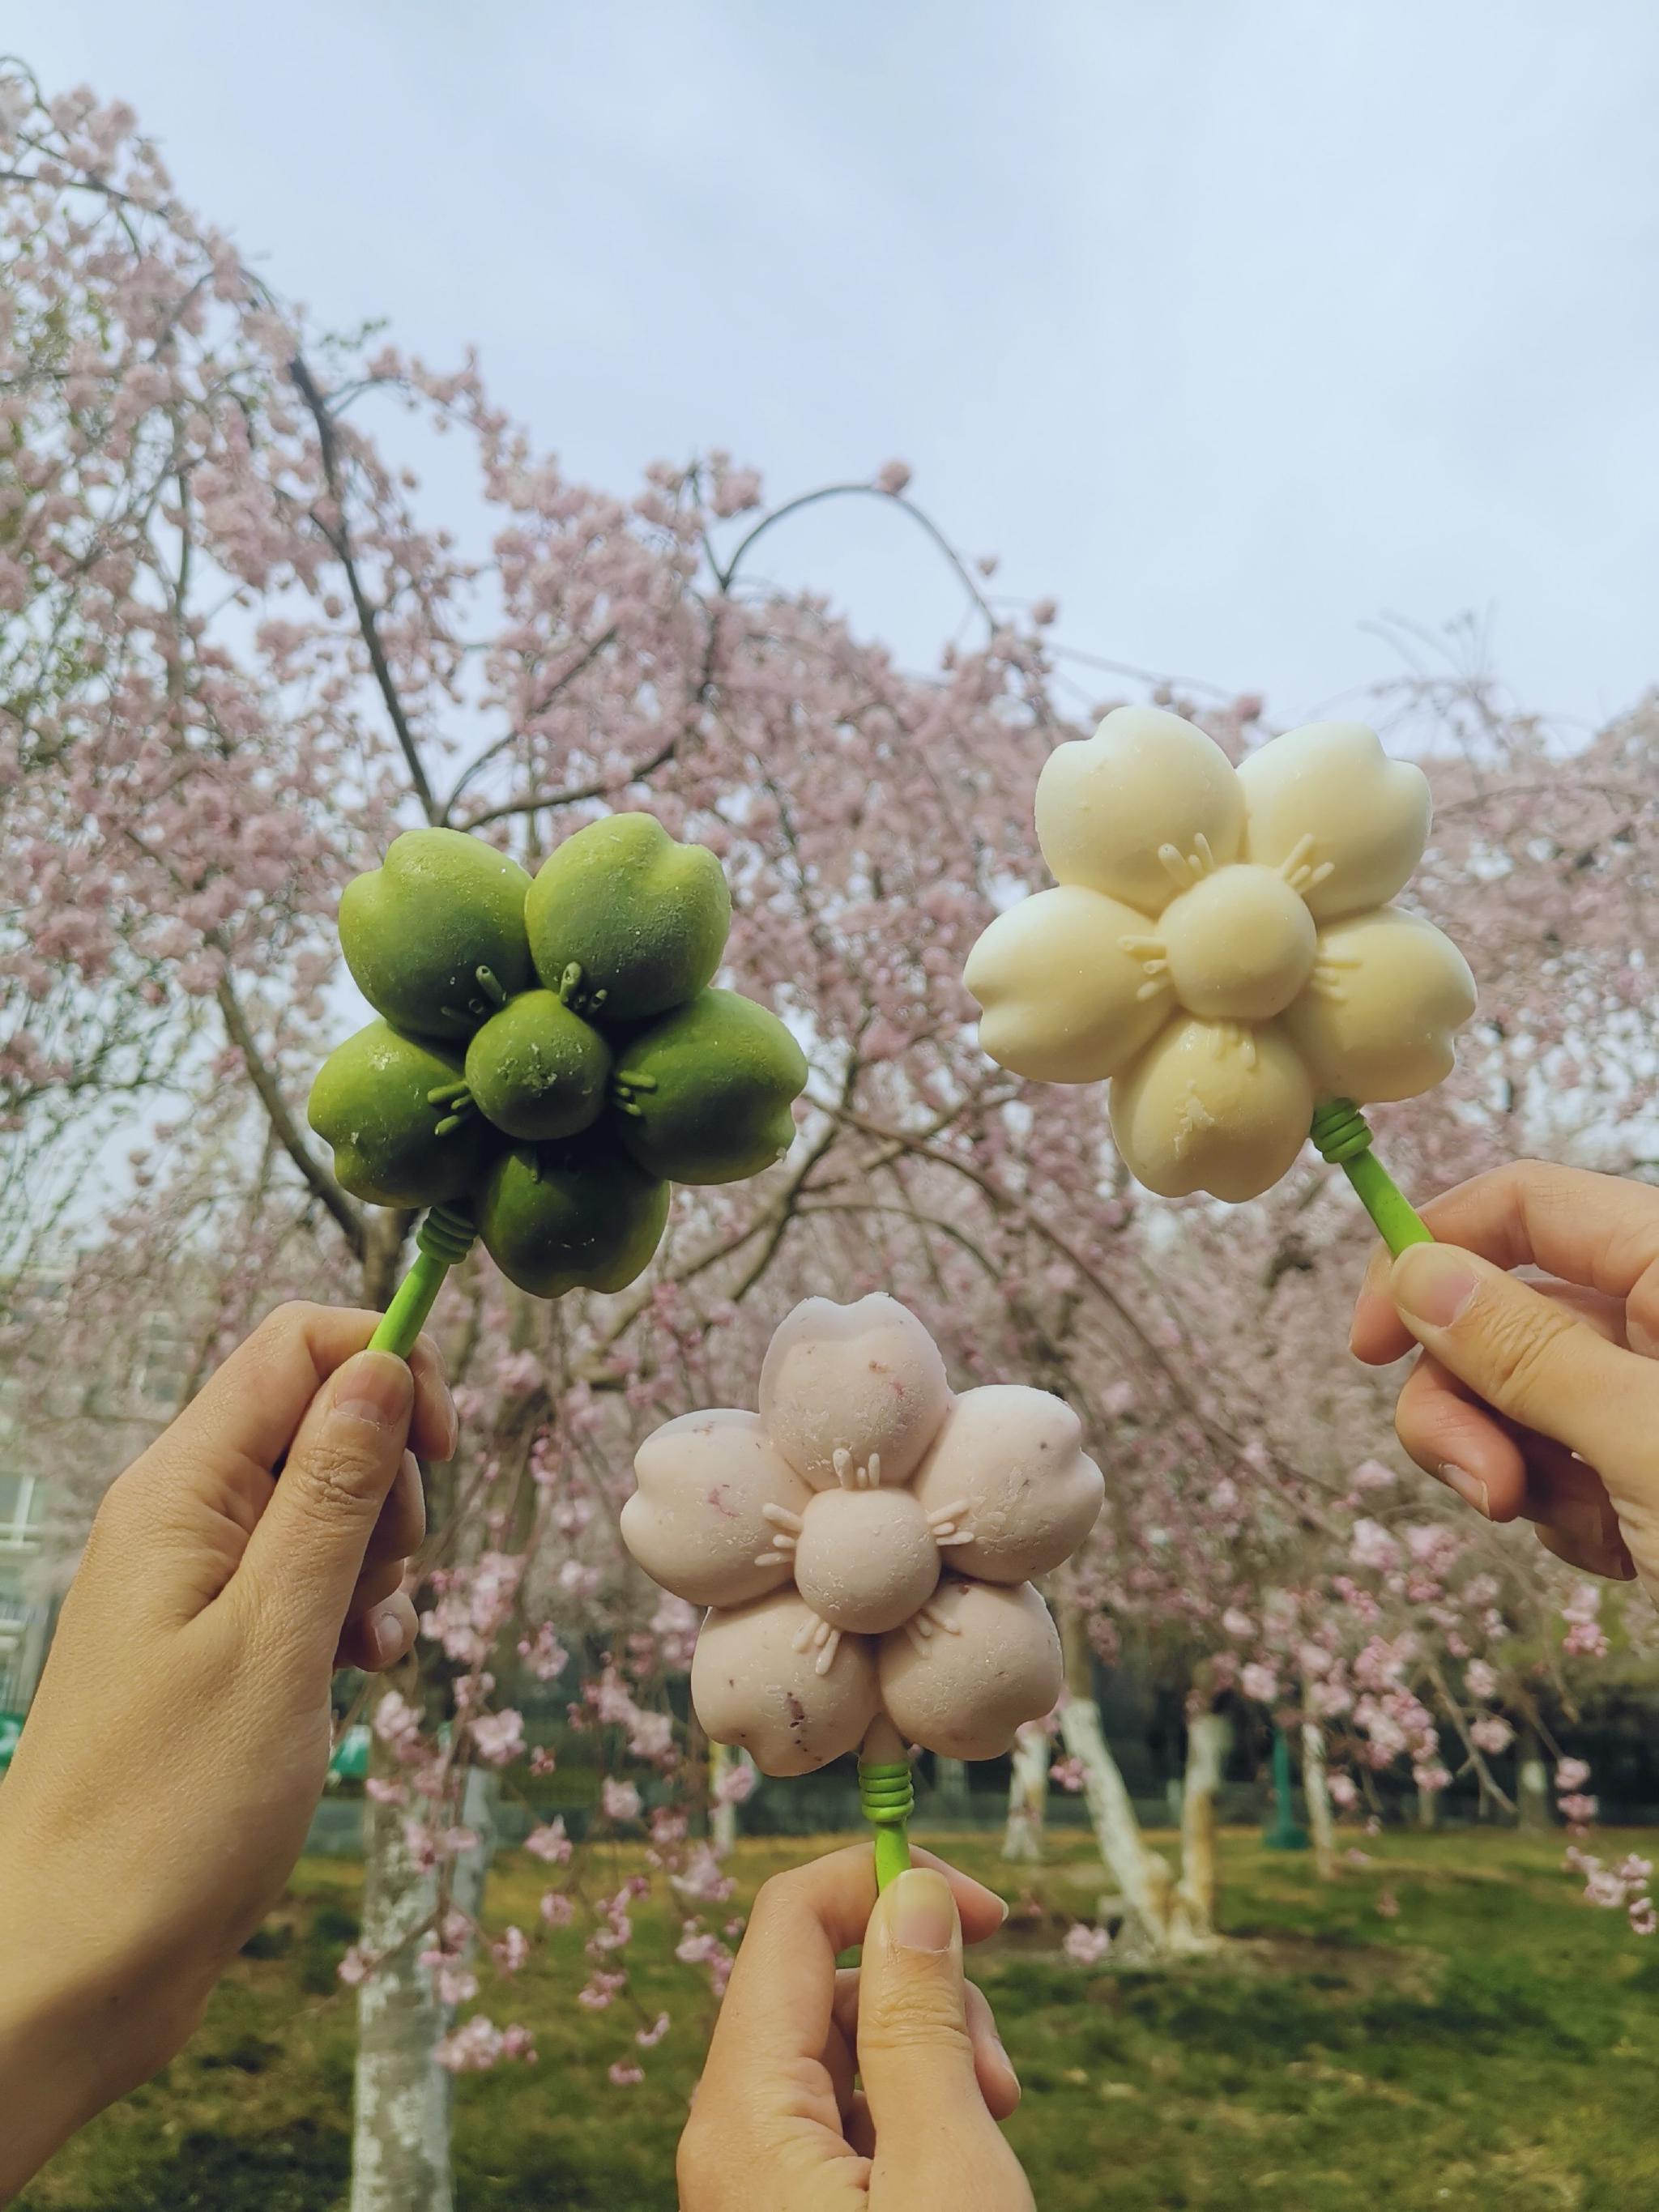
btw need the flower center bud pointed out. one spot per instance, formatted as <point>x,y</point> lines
<point>865,1559</point>
<point>1240,944</point>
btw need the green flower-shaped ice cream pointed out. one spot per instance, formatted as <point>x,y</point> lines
<point>551,1058</point>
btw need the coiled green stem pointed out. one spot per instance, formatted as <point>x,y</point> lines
<point>1343,1137</point>
<point>444,1237</point>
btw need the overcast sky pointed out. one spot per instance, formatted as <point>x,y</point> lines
<point>1236,325</point>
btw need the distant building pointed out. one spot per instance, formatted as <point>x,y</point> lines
<point>129,1405</point>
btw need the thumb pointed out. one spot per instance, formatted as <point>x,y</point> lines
<point>935,2141</point>
<point>1531,1358</point>
<point>307,1549</point>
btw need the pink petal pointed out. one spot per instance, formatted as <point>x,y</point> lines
<point>1015,1457</point>
<point>751,1686</point>
<point>865,1379</point>
<point>697,1523</point>
<point>993,1663</point>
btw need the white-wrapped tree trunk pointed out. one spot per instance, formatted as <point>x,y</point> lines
<point>1155,1924</point>
<point>1322,1822</point>
<point>1532,1781</point>
<point>724,1759</point>
<point>400,2125</point>
<point>1207,1737</point>
<point>1027,1797</point>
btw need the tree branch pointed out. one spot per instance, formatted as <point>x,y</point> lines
<point>283,1123</point>
<point>368,620</point>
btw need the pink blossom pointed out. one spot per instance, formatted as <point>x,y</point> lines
<point>1259,1682</point>
<point>618,1801</point>
<point>893,478</point>
<point>549,1842</point>
<point>1570,1775</point>
<point>737,1784</point>
<point>624,2075</point>
<point>1086,1945</point>
<point>498,1738</point>
<point>557,1909</point>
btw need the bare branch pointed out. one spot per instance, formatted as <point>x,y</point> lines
<point>283,1123</point>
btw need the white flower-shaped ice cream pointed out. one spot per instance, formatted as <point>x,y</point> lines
<point>865,1544</point>
<point>1221,946</point>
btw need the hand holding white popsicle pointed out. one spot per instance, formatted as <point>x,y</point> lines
<point>1219,946</point>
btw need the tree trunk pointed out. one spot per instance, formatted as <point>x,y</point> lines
<point>1428,1807</point>
<point>723,1759</point>
<point>1153,1928</point>
<point>1320,1821</point>
<point>951,1787</point>
<point>400,2134</point>
<point>1532,1781</point>
<point>1027,1797</point>
<point>1208,1736</point>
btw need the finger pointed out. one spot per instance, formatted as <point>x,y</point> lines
<point>1601,1231</point>
<point>401,1530</point>
<point>1460,1441</point>
<point>777,2010</point>
<point>250,1409</point>
<point>1610,1561</point>
<point>999,2084</point>
<point>380,1637</point>
<point>375,1586</point>
<point>916,2054</point>
<point>308,1550</point>
<point>1526,1356</point>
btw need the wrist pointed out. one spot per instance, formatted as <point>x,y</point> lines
<point>49,2063</point>
<point>79,2028</point>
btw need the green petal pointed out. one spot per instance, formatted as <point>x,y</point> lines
<point>571,1217</point>
<point>373,1102</point>
<point>623,922</point>
<point>536,1070</point>
<point>705,1094</point>
<point>436,937</point>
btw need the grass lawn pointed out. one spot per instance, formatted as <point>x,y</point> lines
<point>1495,2046</point>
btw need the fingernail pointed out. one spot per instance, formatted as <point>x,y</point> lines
<point>1469,1487</point>
<point>922,1914</point>
<point>1587,1523</point>
<point>1433,1283</point>
<point>1007,2064</point>
<point>386,1630</point>
<point>376,1387</point>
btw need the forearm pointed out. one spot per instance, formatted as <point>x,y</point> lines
<point>84,2015</point>
<point>49,2064</point>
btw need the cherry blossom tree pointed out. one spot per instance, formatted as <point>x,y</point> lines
<point>240,651</point>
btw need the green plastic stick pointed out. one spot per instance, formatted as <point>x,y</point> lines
<point>444,1237</point>
<point>886,1798</point>
<point>1343,1138</point>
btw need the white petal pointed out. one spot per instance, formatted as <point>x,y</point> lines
<point>697,1523</point>
<point>1210,1107</point>
<point>1147,785</point>
<point>866,1380</point>
<point>992,1663</point>
<point>1364,818</point>
<point>1378,1020</point>
<point>1013,1458</point>
<point>1061,997</point>
<point>751,1686</point>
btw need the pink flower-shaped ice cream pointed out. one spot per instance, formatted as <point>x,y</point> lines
<point>1219,944</point>
<point>865,1543</point>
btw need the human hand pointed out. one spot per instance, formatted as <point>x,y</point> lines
<point>778,2125</point>
<point>175,1753</point>
<point>1536,1399</point>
